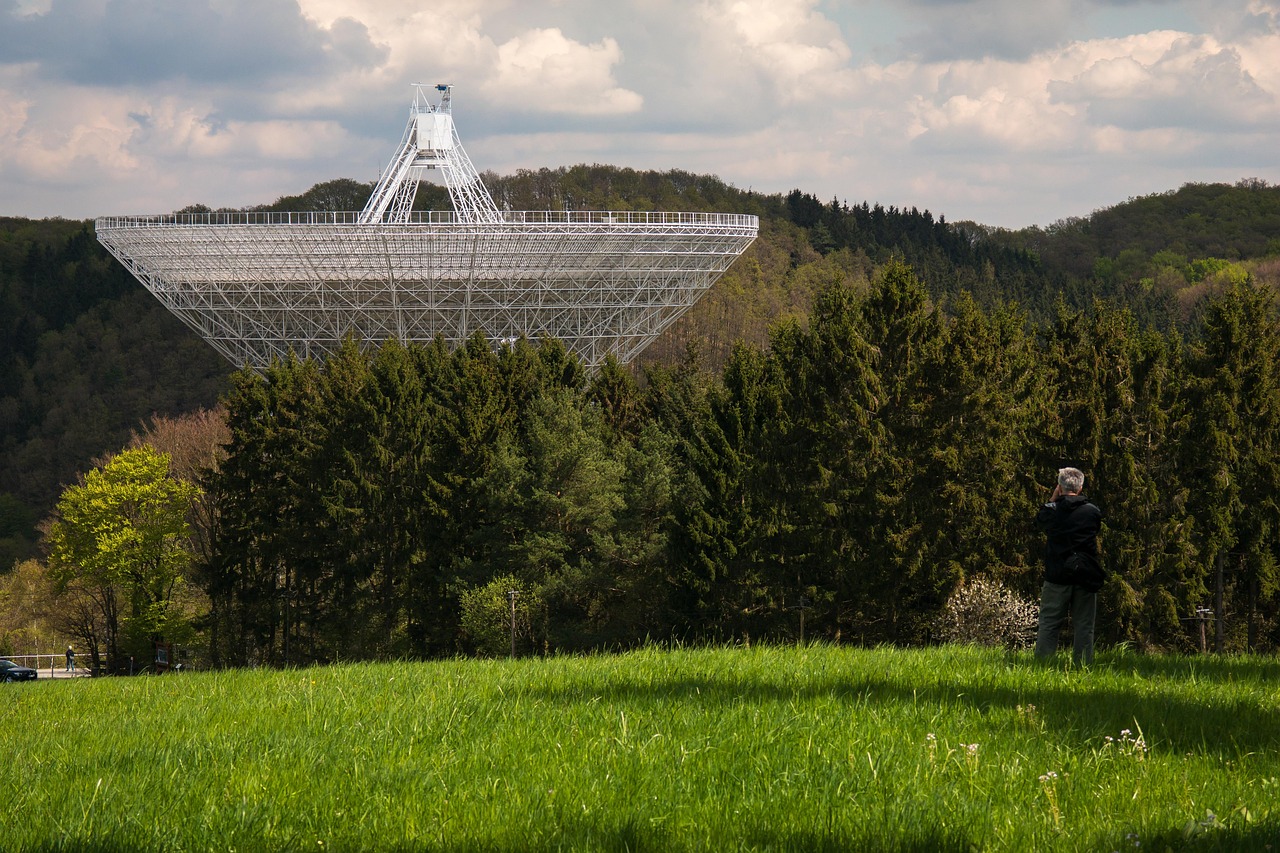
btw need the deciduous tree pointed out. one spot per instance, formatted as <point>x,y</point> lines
<point>121,536</point>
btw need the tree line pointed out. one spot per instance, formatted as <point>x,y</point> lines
<point>86,355</point>
<point>412,501</point>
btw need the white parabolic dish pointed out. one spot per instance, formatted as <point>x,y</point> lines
<point>259,285</point>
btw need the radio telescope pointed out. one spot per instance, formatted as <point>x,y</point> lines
<point>259,285</point>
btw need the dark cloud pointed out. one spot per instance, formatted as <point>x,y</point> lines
<point>1014,30</point>
<point>1259,20</point>
<point>973,29</point>
<point>136,42</point>
<point>349,42</point>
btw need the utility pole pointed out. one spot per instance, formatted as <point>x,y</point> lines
<point>1203,615</point>
<point>804,605</point>
<point>511,598</point>
<point>1217,606</point>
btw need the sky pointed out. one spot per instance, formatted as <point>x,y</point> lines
<point>1005,112</point>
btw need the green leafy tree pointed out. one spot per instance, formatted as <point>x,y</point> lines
<point>29,618</point>
<point>122,536</point>
<point>342,194</point>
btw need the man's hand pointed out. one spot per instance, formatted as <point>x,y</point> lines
<point>1057,493</point>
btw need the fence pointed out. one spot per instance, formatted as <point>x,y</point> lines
<point>56,666</point>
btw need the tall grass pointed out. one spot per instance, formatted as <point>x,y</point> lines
<point>815,748</point>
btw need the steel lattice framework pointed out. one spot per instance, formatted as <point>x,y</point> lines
<point>257,286</point>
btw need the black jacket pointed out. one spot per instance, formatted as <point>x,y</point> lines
<point>1071,524</point>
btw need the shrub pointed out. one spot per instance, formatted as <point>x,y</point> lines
<point>984,611</point>
<point>486,614</point>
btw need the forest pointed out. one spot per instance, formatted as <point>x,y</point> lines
<point>858,420</point>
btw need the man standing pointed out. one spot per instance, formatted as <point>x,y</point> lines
<point>1072,571</point>
<point>71,660</point>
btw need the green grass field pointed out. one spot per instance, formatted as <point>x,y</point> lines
<point>817,748</point>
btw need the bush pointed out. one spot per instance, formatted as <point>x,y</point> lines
<point>985,612</point>
<point>486,614</point>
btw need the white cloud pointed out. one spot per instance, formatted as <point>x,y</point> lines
<point>790,50</point>
<point>997,110</point>
<point>1195,83</point>
<point>51,142</point>
<point>542,69</point>
<point>538,69</point>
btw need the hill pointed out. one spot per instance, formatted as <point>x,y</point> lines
<point>86,355</point>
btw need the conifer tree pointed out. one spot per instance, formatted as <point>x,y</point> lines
<point>838,448</point>
<point>908,339</point>
<point>1234,436</point>
<point>990,410</point>
<point>717,518</point>
<point>471,418</point>
<point>1150,545</point>
<point>265,493</point>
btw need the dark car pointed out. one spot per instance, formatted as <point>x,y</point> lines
<point>10,671</point>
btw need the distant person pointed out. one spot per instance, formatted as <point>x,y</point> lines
<point>1072,569</point>
<point>71,659</point>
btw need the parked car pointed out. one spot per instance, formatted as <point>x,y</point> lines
<point>10,671</point>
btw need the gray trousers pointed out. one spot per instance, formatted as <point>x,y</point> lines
<point>1056,601</point>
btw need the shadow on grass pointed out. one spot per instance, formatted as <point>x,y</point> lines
<point>1247,670</point>
<point>621,840</point>
<point>634,835</point>
<point>1170,720</point>
<point>629,839</point>
<point>625,835</point>
<point>1258,838</point>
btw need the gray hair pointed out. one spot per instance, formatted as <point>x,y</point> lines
<point>1070,480</point>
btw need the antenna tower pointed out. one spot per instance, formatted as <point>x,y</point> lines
<point>430,142</point>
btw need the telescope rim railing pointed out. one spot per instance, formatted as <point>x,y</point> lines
<point>518,218</point>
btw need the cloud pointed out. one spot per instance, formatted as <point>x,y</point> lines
<point>1195,83</point>
<point>1105,96</point>
<point>1242,21</point>
<point>1000,111</point>
<point>786,48</point>
<point>997,29</point>
<point>132,138</point>
<point>541,69</point>
<point>40,148</point>
<point>139,42</point>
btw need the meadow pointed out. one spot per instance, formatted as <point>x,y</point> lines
<point>762,748</point>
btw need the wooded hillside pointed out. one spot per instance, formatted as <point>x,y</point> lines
<point>86,356</point>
